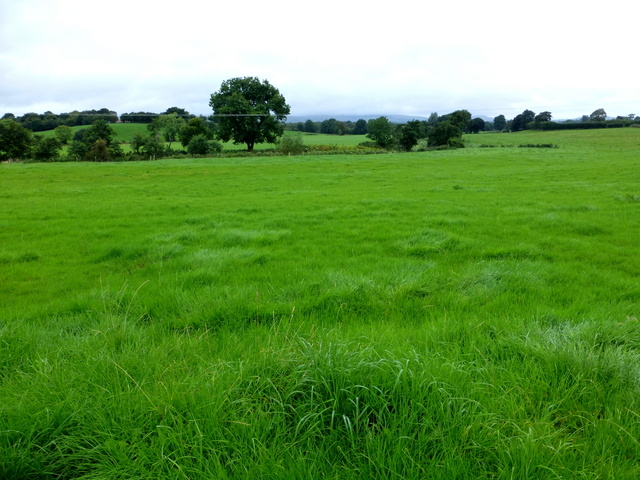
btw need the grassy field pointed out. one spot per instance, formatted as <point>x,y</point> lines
<point>467,314</point>
<point>126,131</point>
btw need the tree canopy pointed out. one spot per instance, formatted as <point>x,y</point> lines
<point>410,133</point>
<point>194,127</point>
<point>97,143</point>
<point>380,130</point>
<point>476,125</point>
<point>15,140</point>
<point>445,133</point>
<point>168,126</point>
<point>249,111</point>
<point>598,115</point>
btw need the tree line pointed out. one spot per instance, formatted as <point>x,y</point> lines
<point>40,122</point>
<point>98,141</point>
<point>248,111</point>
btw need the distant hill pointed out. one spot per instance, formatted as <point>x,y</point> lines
<point>355,118</point>
<point>352,118</point>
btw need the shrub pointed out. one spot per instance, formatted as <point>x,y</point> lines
<point>199,145</point>
<point>214,146</point>
<point>46,149</point>
<point>538,145</point>
<point>290,145</point>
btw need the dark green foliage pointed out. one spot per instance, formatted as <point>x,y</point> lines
<point>499,123</point>
<point>521,121</point>
<point>529,116</point>
<point>543,117</point>
<point>380,130</point>
<point>49,120</point>
<point>99,152</point>
<point>329,126</point>
<point>598,116</point>
<point>445,133</point>
<point>181,112</point>
<point>537,145</point>
<point>476,125</point>
<point>588,125</point>
<point>64,134</point>
<point>291,145</point>
<point>136,142</point>
<point>153,148</point>
<point>168,126</point>
<point>78,135</point>
<point>139,117</point>
<point>249,111</point>
<point>95,144</point>
<point>202,145</point>
<point>46,149</point>
<point>77,150</point>
<point>15,141</point>
<point>409,134</point>
<point>517,124</point>
<point>197,145</point>
<point>194,127</point>
<point>309,127</point>
<point>460,118</point>
<point>99,130</point>
<point>360,127</point>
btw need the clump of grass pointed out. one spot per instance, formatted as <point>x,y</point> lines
<point>537,145</point>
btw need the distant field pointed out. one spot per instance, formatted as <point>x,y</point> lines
<point>468,314</point>
<point>577,140</point>
<point>126,131</point>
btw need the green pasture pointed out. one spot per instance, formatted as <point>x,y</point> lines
<point>126,131</point>
<point>467,314</point>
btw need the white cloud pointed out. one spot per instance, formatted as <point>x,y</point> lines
<point>329,57</point>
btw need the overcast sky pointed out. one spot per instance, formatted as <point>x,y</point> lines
<point>328,57</point>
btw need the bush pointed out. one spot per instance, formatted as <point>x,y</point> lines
<point>445,134</point>
<point>46,149</point>
<point>153,148</point>
<point>214,146</point>
<point>290,145</point>
<point>537,145</point>
<point>199,145</point>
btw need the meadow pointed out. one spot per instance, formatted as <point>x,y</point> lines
<point>125,132</point>
<point>467,314</point>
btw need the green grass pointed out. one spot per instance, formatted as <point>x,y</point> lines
<point>451,314</point>
<point>126,131</point>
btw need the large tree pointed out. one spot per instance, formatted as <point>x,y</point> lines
<point>410,133</point>
<point>528,116</point>
<point>168,126</point>
<point>380,130</point>
<point>598,115</point>
<point>97,143</point>
<point>476,125</point>
<point>15,141</point>
<point>194,127</point>
<point>499,123</point>
<point>460,118</point>
<point>445,133</point>
<point>249,111</point>
<point>543,117</point>
<point>360,127</point>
